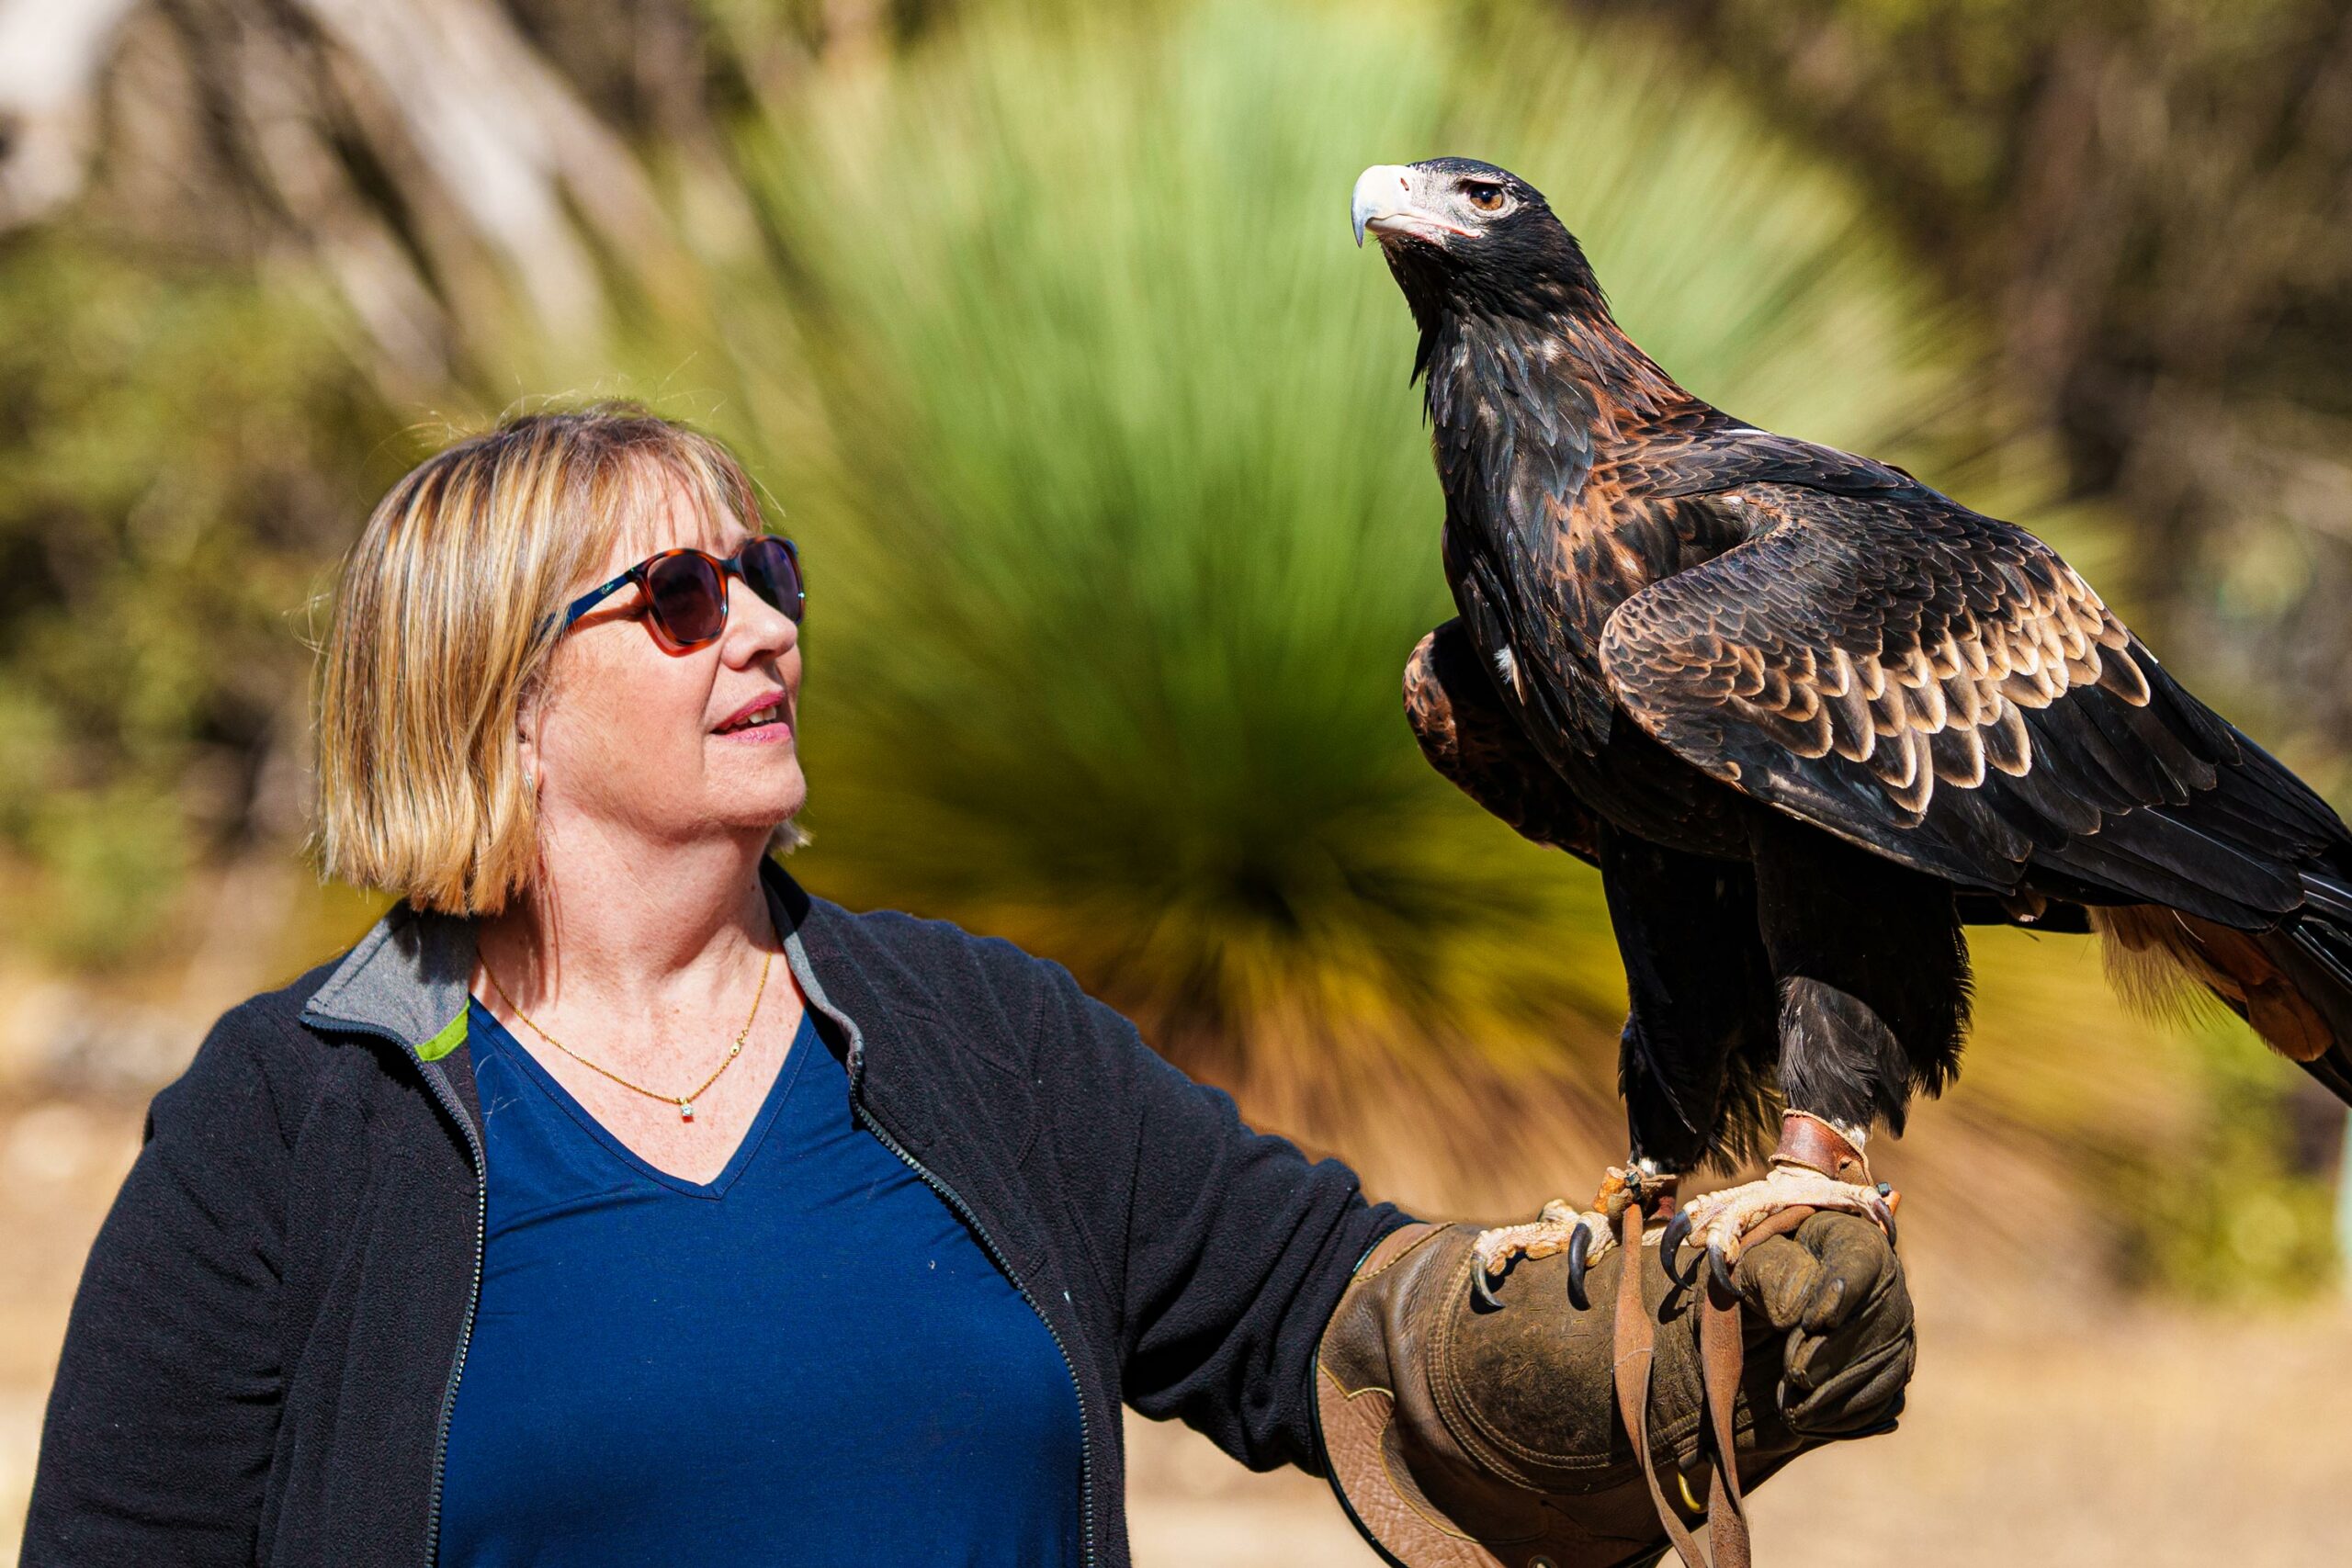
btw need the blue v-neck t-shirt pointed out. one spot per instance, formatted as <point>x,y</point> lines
<point>808,1360</point>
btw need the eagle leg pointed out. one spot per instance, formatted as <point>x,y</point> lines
<point>1814,1167</point>
<point>1560,1227</point>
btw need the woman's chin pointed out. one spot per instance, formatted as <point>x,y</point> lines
<point>770,800</point>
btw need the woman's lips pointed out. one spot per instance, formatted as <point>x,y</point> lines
<point>772,729</point>
<point>760,734</point>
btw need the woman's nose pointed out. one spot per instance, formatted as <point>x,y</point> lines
<point>756,628</point>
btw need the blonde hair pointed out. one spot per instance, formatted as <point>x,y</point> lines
<point>446,612</point>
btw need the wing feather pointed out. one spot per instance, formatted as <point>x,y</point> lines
<point>1940,687</point>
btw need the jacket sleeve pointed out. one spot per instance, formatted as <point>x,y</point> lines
<point>162,1420</point>
<point>1228,1248</point>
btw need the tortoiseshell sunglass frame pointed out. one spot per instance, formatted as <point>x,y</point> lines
<point>709,582</point>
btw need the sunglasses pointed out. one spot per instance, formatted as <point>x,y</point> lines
<point>686,590</point>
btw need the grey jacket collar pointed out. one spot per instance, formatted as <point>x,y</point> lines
<point>410,976</point>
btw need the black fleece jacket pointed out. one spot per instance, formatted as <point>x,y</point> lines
<point>272,1323</point>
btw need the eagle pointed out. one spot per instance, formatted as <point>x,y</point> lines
<point>1809,717</point>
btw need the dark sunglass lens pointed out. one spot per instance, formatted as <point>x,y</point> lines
<point>770,567</point>
<point>688,597</point>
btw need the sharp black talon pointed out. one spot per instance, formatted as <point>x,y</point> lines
<point>1887,1220</point>
<point>1480,1288</point>
<point>1670,1245</point>
<point>1719,1266</point>
<point>1579,1245</point>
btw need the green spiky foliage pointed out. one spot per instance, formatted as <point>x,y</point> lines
<point>1126,521</point>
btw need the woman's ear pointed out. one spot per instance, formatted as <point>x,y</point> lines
<point>526,728</point>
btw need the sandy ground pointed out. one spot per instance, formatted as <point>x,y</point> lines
<point>2040,1431</point>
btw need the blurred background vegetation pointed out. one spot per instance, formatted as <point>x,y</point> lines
<point>1042,325</point>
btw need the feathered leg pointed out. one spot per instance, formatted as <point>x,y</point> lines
<point>1697,1043</point>
<point>1873,976</point>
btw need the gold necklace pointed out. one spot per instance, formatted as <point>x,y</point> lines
<point>685,1102</point>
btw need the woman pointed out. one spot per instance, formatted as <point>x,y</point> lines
<point>614,1201</point>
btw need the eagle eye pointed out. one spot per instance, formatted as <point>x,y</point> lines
<point>1484,195</point>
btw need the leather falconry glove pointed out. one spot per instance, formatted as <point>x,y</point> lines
<point>1459,1434</point>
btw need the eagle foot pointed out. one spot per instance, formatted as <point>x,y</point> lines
<point>1726,1219</point>
<point>1584,1235</point>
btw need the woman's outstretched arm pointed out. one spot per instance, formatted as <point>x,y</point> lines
<point>1228,1248</point>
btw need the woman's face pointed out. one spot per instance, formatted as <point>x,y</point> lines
<point>631,739</point>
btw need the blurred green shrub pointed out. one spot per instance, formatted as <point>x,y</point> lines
<point>183,448</point>
<point>2191,1158</point>
<point>2229,1211</point>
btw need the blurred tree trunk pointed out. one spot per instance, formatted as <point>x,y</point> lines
<point>51,55</point>
<point>447,176</point>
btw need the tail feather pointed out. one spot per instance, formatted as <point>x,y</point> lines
<point>2333,1068</point>
<point>2328,890</point>
<point>2328,943</point>
<point>2293,984</point>
<point>2315,955</point>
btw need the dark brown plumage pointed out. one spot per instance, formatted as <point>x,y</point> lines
<point>1807,714</point>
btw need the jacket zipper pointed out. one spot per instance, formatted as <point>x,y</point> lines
<point>995,1254</point>
<point>438,1082</point>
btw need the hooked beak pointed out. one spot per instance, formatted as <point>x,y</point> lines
<point>1383,206</point>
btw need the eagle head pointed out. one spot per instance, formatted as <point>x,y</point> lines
<point>1460,234</point>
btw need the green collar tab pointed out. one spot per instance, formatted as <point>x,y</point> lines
<point>452,1035</point>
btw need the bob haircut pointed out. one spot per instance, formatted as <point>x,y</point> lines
<point>446,614</point>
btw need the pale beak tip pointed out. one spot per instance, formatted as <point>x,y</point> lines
<point>1376,194</point>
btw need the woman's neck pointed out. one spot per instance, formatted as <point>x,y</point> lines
<point>618,923</point>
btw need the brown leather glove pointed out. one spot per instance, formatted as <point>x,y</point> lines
<point>1458,1434</point>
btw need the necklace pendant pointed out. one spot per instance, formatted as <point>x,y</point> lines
<point>686,1110</point>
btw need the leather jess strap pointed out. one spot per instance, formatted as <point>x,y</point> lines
<point>1722,1358</point>
<point>1804,1140</point>
<point>1635,1346</point>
